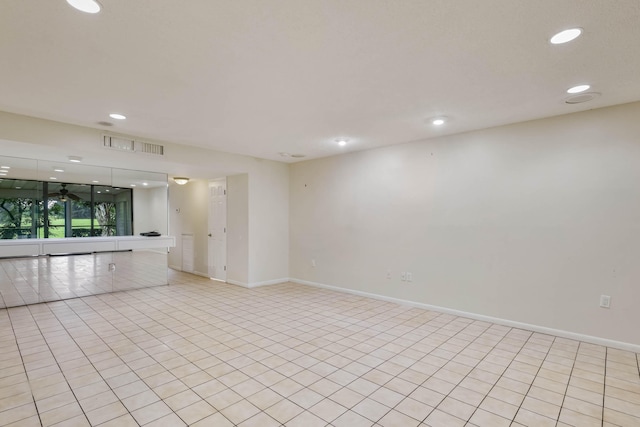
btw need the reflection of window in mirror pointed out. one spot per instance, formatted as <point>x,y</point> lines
<point>40,209</point>
<point>19,206</point>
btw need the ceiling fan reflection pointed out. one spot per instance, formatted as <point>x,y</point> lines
<point>63,195</point>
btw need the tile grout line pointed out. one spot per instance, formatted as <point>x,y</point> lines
<point>450,337</point>
<point>604,383</point>
<point>187,323</point>
<point>116,355</point>
<point>56,362</point>
<point>564,395</point>
<point>419,385</point>
<point>33,399</point>
<point>467,375</point>
<point>150,355</point>
<point>337,368</point>
<point>92,363</point>
<point>458,353</point>
<point>70,335</point>
<point>507,367</point>
<point>293,361</point>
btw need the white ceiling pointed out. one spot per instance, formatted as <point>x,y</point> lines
<point>259,77</point>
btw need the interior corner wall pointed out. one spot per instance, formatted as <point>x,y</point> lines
<point>141,210</point>
<point>530,222</point>
<point>150,212</point>
<point>188,215</point>
<point>238,229</point>
<point>269,224</point>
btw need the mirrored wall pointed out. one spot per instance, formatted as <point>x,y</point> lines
<point>70,230</point>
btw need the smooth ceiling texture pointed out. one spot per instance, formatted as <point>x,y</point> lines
<point>261,77</point>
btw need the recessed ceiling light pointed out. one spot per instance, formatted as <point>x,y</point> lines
<point>132,185</point>
<point>52,177</point>
<point>95,182</point>
<point>283,154</point>
<point>18,188</point>
<point>438,120</point>
<point>566,36</point>
<point>578,89</point>
<point>75,159</point>
<point>5,167</point>
<point>99,192</point>
<point>108,190</point>
<point>88,6</point>
<point>58,170</point>
<point>117,116</point>
<point>342,141</point>
<point>145,183</point>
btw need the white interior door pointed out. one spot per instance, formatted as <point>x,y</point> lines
<point>217,238</point>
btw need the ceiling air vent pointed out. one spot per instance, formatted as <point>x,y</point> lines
<point>118,143</point>
<point>146,147</point>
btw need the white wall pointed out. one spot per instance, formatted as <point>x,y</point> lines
<point>530,222</point>
<point>268,226</point>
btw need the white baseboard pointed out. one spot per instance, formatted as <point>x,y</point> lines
<point>269,282</point>
<point>542,329</point>
<point>257,284</point>
<point>235,282</point>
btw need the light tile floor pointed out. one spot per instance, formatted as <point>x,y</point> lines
<point>203,353</point>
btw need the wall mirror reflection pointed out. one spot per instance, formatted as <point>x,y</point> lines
<point>69,230</point>
<point>46,199</point>
<point>37,209</point>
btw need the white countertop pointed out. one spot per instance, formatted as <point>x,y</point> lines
<point>33,247</point>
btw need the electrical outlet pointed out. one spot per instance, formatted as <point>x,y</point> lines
<point>313,263</point>
<point>409,277</point>
<point>403,276</point>
<point>605,301</point>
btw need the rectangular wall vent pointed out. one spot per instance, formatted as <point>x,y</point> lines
<point>115,142</point>
<point>118,143</point>
<point>147,147</point>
